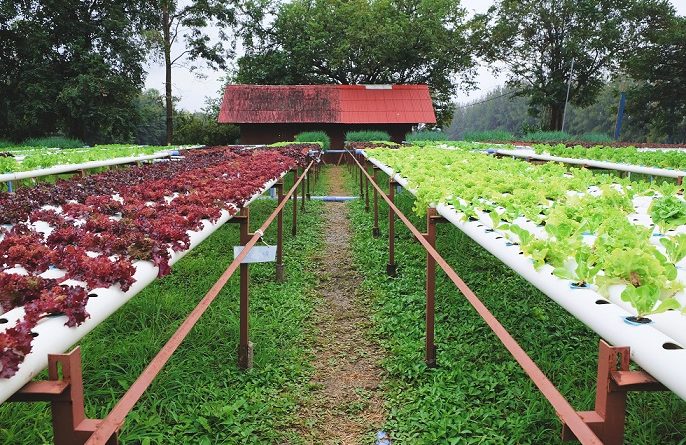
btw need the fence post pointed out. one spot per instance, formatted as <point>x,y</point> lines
<point>366,193</point>
<point>279,234</point>
<point>376,232</point>
<point>245,347</point>
<point>294,227</point>
<point>308,178</point>
<point>302,190</point>
<point>430,236</point>
<point>361,184</point>
<point>391,267</point>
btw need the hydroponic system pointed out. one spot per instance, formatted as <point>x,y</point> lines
<point>610,251</point>
<point>72,253</point>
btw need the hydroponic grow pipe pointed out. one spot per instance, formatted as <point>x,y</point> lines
<point>110,424</point>
<point>657,353</point>
<point>653,171</point>
<point>566,412</point>
<point>68,168</point>
<point>54,337</point>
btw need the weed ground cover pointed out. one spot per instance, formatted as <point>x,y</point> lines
<point>201,397</point>
<point>478,394</point>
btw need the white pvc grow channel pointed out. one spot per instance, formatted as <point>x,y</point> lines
<point>68,168</point>
<point>55,338</point>
<point>653,171</point>
<point>651,347</point>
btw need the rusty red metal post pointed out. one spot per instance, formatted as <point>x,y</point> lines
<point>279,234</point>
<point>614,380</point>
<point>361,184</point>
<point>366,193</point>
<point>430,236</point>
<point>294,226</point>
<point>302,192</point>
<point>308,179</point>
<point>376,232</point>
<point>391,268</point>
<point>65,394</point>
<point>245,347</point>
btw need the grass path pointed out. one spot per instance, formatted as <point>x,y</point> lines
<point>346,406</point>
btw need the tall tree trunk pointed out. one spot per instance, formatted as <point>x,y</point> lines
<point>168,73</point>
<point>555,121</point>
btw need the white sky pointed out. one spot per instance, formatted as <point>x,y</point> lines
<point>193,90</point>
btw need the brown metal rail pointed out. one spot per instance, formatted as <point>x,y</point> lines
<point>570,417</point>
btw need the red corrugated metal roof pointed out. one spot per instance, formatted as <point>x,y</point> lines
<point>344,104</point>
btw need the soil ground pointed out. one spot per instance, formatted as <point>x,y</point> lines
<point>347,405</point>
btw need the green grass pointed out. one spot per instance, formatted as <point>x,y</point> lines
<point>367,136</point>
<point>426,135</point>
<point>314,136</point>
<point>478,393</point>
<point>53,142</point>
<point>595,138</point>
<point>548,136</point>
<point>201,397</point>
<point>491,135</point>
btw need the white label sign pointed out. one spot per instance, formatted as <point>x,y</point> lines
<point>258,254</point>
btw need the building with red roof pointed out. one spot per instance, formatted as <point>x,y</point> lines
<point>273,113</point>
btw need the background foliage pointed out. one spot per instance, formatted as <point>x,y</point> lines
<point>360,41</point>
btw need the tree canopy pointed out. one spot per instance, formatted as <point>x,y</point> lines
<point>70,66</point>
<point>659,66</point>
<point>361,41</point>
<point>537,40</point>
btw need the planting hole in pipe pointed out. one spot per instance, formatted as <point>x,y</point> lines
<point>92,295</point>
<point>3,320</point>
<point>671,346</point>
<point>637,320</point>
<point>602,302</point>
<point>34,334</point>
<point>54,314</point>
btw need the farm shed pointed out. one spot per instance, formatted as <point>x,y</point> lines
<point>273,113</point>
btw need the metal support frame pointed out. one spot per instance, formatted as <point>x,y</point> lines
<point>361,184</point>
<point>303,192</point>
<point>294,226</point>
<point>614,381</point>
<point>307,180</point>
<point>69,423</point>
<point>279,235</point>
<point>391,267</point>
<point>245,346</point>
<point>366,187</point>
<point>376,232</point>
<point>432,218</point>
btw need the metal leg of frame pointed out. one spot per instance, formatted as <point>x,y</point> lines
<point>69,423</point>
<point>614,381</point>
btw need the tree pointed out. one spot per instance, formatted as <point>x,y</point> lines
<point>70,67</point>
<point>537,40</point>
<point>173,22</point>
<point>360,41</point>
<point>151,117</point>
<point>659,66</point>
<point>203,128</point>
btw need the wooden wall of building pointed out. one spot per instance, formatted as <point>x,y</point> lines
<point>270,133</point>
